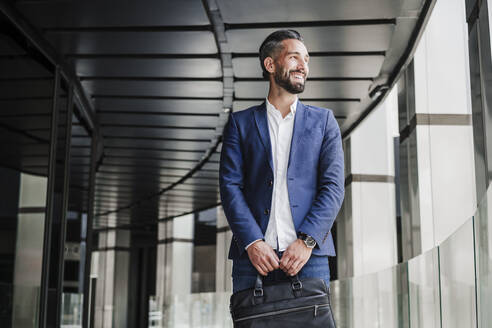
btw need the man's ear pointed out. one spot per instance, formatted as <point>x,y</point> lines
<point>269,66</point>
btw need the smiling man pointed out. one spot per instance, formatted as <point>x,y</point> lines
<point>281,174</point>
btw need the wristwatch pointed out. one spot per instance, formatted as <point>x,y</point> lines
<point>308,240</point>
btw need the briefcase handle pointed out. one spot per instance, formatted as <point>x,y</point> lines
<point>295,283</point>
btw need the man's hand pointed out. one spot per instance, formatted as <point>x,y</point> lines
<point>295,257</point>
<point>263,257</point>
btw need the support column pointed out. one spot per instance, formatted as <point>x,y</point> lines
<point>223,280</point>
<point>112,285</point>
<point>479,18</point>
<point>366,225</point>
<point>174,267</point>
<point>436,135</point>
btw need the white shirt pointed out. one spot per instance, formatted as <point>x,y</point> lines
<point>280,225</point>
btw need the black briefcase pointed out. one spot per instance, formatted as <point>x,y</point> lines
<point>295,303</point>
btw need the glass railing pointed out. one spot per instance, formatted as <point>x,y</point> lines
<point>200,310</point>
<point>71,314</point>
<point>448,286</point>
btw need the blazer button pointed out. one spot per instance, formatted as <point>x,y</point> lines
<point>270,183</point>
<point>267,211</point>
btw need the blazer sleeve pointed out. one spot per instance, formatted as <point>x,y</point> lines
<point>231,176</point>
<point>319,220</point>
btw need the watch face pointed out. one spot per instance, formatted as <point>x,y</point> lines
<point>310,242</point>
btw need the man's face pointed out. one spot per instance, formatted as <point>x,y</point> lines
<point>291,66</point>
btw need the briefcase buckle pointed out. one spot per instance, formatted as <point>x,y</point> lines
<point>258,292</point>
<point>297,285</point>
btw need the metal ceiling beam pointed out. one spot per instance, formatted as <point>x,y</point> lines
<point>321,23</point>
<point>167,28</point>
<point>142,56</point>
<point>318,54</point>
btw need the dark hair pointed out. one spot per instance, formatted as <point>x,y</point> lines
<point>273,45</point>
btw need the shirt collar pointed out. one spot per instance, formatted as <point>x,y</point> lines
<point>271,108</point>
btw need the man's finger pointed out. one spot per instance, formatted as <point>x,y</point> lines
<point>294,268</point>
<point>261,270</point>
<point>273,260</point>
<point>291,260</point>
<point>267,265</point>
<point>285,259</point>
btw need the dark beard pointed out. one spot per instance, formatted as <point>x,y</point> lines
<point>282,78</point>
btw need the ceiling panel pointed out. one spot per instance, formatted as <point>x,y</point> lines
<point>148,67</point>
<point>178,133</point>
<point>160,105</point>
<point>24,89</point>
<point>361,38</point>
<point>184,89</point>
<point>133,42</point>
<point>146,153</point>
<point>260,11</point>
<point>129,170</point>
<point>78,14</point>
<point>15,67</point>
<point>146,162</point>
<point>156,144</point>
<point>196,121</point>
<point>8,47</point>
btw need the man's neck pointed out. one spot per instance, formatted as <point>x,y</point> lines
<point>281,99</point>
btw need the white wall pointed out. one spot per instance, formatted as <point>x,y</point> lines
<point>445,152</point>
<point>370,222</point>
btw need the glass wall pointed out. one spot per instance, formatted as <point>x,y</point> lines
<point>42,186</point>
<point>26,104</point>
<point>448,286</point>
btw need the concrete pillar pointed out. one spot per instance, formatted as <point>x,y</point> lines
<point>174,267</point>
<point>112,285</point>
<point>366,225</point>
<point>223,280</point>
<point>436,136</point>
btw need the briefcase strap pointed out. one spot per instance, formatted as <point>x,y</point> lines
<point>295,283</point>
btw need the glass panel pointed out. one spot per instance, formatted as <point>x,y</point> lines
<point>457,274</point>
<point>423,281</point>
<point>342,302</point>
<point>196,310</point>
<point>483,233</point>
<point>71,310</point>
<point>374,300</point>
<point>26,91</point>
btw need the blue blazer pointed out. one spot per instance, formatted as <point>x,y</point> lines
<point>315,177</point>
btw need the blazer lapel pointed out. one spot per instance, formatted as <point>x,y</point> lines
<point>299,129</point>
<point>262,126</point>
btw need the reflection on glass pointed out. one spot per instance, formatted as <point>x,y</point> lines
<point>374,300</point>
<point>457,273</point>
<point>195,310</point>
<point>28,251</point>
<point>26,91</point>
<point>483,233</point>
<point>71,316</point>
<point>423,284</point>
